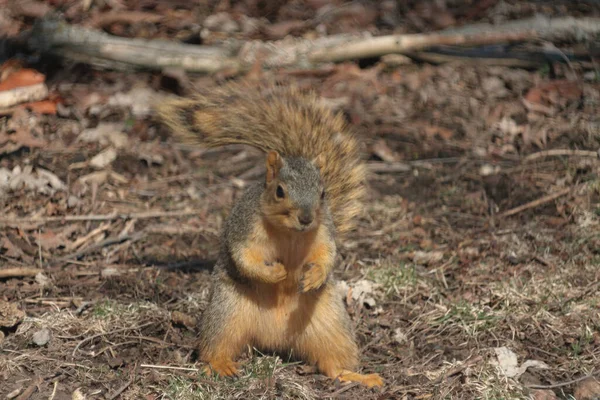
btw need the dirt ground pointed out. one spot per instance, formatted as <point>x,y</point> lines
<point>446,279</point>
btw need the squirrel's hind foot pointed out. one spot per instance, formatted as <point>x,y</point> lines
<point>369,380</point>
<point>222,367</point>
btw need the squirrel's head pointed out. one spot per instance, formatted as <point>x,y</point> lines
<point>294,195</point>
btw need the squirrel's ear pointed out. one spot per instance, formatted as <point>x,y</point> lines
<point>319,161</point>
<point>274,164</point>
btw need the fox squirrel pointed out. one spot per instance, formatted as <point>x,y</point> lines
<point>271,283</point>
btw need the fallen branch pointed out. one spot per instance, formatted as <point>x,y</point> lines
<point>106,51</point>
<point>18,272</point>
<point>563,152</point>
<point>535,203</point>
<point>97,217</point>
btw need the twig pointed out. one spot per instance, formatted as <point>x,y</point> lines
<point>563,152</point>
<point>567,383</point>
<point>535,203</point>
<point>18,272</point>
<point>53,391</point>
<point>383,45</point>
<point>97,217</point>
<point>459,368</point>
<point>169,367</point>
<point>344,389</point>
<point>30,389</point>
<point>83,239</point>
<point>388,167</point>
<point>88,339</point>
<point>97,246</point>
<point>120,390</point>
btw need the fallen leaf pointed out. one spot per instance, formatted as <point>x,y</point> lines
<point>21,78</point>
<point>139,99</point>
<point>588,389</point>
<point>103,159</point>
<point>77,395</point>
<point>545,97</point>
<point>400,336</point>
<point>41,337</point>
<point>507,360</point>
<point>10,315</point>
<point>427,257</point>
<point>30,8</point>
<point>42,279</point>
<point>279,30</point>
<point>47,107</point>
<point>105,133</point>
<point>433,131</point>
<point>382,150</point>
<point>361,291</point>
<point>543,395</point>
<point>39,180</point>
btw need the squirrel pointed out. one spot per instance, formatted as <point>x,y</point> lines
<point>272,286</point>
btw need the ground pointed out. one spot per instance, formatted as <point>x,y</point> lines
<point>444,278</point>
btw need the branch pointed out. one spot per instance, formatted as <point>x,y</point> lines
<point>106,51</point>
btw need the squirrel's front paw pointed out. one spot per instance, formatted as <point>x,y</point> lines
<point>313,277</point>
<point>276,272</point>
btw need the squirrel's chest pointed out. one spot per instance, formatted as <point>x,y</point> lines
<point>292,251</point>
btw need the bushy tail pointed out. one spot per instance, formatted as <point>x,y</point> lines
<point>281,119</point>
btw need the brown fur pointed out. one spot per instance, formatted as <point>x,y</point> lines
<point>282,119</point>
<point>313,324</point>
<point>271,283</point>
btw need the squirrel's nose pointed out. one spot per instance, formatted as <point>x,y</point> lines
<point>305,218</point>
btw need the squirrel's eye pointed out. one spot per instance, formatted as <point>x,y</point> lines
<point>322,194</point>
<point>280,194</point>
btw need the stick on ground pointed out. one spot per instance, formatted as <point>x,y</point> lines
<point>535,203</point>
<point>97,217</point>
<point>18,272</point>
<point>106,51</point>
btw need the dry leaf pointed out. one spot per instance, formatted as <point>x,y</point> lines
<point>507,360</point>
<point>103,159</point>
<point>427,257</point>
<point>382,150</point>
<point>40,180</point>
<point>21,78</point>
<point>105,133</point>
<point>77,395</point>
<point>42,107</point>
<point>588,389</point>
<point>543,395</point>
<point>10,315</point>
<point>138,99</point>
<point>362,291</point>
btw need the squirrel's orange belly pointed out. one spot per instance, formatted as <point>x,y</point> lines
<point>281,324</point>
